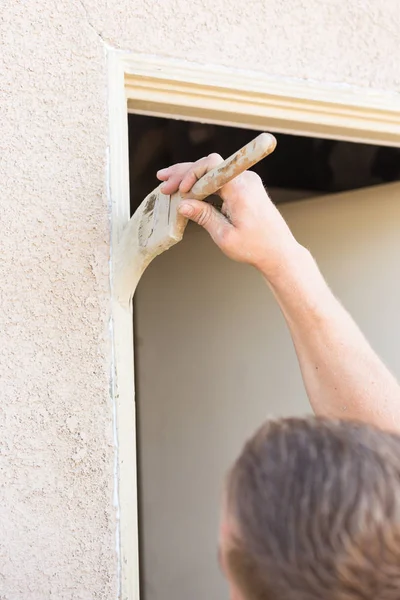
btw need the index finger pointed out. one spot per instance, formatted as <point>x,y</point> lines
<point>199,168</point>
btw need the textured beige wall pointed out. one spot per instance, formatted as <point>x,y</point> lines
<point>57,519</point>
<point>336,40</point>
<point>214,359</point>
<point>57,524</point>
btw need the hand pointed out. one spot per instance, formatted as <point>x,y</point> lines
<point>249,229</point>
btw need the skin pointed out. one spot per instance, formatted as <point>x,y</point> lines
<point>343,376</point>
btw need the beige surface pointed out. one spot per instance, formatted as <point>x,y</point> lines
<point>214,359</point>
<point>57,523</point>
<point>57,518</point>
<point>337,41</point>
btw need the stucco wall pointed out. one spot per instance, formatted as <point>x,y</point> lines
<point>215,359</point>
<point>57,522</point>
<point>336,41</point>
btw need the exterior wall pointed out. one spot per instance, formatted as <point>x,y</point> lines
<point>57,520</point>
<point>343,42</point>
<point>214,360</point>
<point>56,508</point>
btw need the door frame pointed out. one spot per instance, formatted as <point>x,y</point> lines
<point>165,87</point>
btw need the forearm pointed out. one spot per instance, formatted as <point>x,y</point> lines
<point>343,376</point>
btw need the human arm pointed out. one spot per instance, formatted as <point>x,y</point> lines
<point>343,377</point>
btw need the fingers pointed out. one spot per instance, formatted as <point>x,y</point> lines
<point>183,176</point>
<point>207,217</point>
<point>172,177</point>
<point>243,186</point>
<point>199,168</point>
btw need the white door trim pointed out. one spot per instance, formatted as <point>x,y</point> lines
<point>253,100</point>
<point>179,89</point>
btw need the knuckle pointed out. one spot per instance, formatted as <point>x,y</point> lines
<point>180,168</point>
<point>215,158</point>
<point>205,215</point>
<point>200,162</point>
<point>251,177</point>
<point>247,179</point>
<point>199,167</point>
<point>224,236</point>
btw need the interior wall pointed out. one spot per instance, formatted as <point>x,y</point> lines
<point>214,359</point>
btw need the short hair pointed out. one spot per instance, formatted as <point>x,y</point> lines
<point>316,511</point>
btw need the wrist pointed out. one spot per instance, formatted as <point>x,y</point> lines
<point>298,286</point>
<point>290,264</point>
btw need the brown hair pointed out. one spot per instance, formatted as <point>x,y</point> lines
<point>316,508</point>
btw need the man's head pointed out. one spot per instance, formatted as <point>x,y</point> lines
<point>312,511</point>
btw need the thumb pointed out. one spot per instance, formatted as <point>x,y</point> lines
<point>206,216</point>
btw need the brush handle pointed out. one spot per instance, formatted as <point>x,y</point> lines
<point>242,160</point>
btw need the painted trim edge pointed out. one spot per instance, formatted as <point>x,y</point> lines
<point>122,374</point>
<point>183,90</point>
<point>191,91</point>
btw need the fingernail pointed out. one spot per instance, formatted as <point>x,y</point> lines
<point>161,171</point>
<point>186,209</point>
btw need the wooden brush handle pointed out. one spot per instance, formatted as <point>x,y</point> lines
<point>242,160</point>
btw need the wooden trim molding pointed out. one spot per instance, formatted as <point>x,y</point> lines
<point>182,90</point>
<point>253,100</point>
<point>121,327</point>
